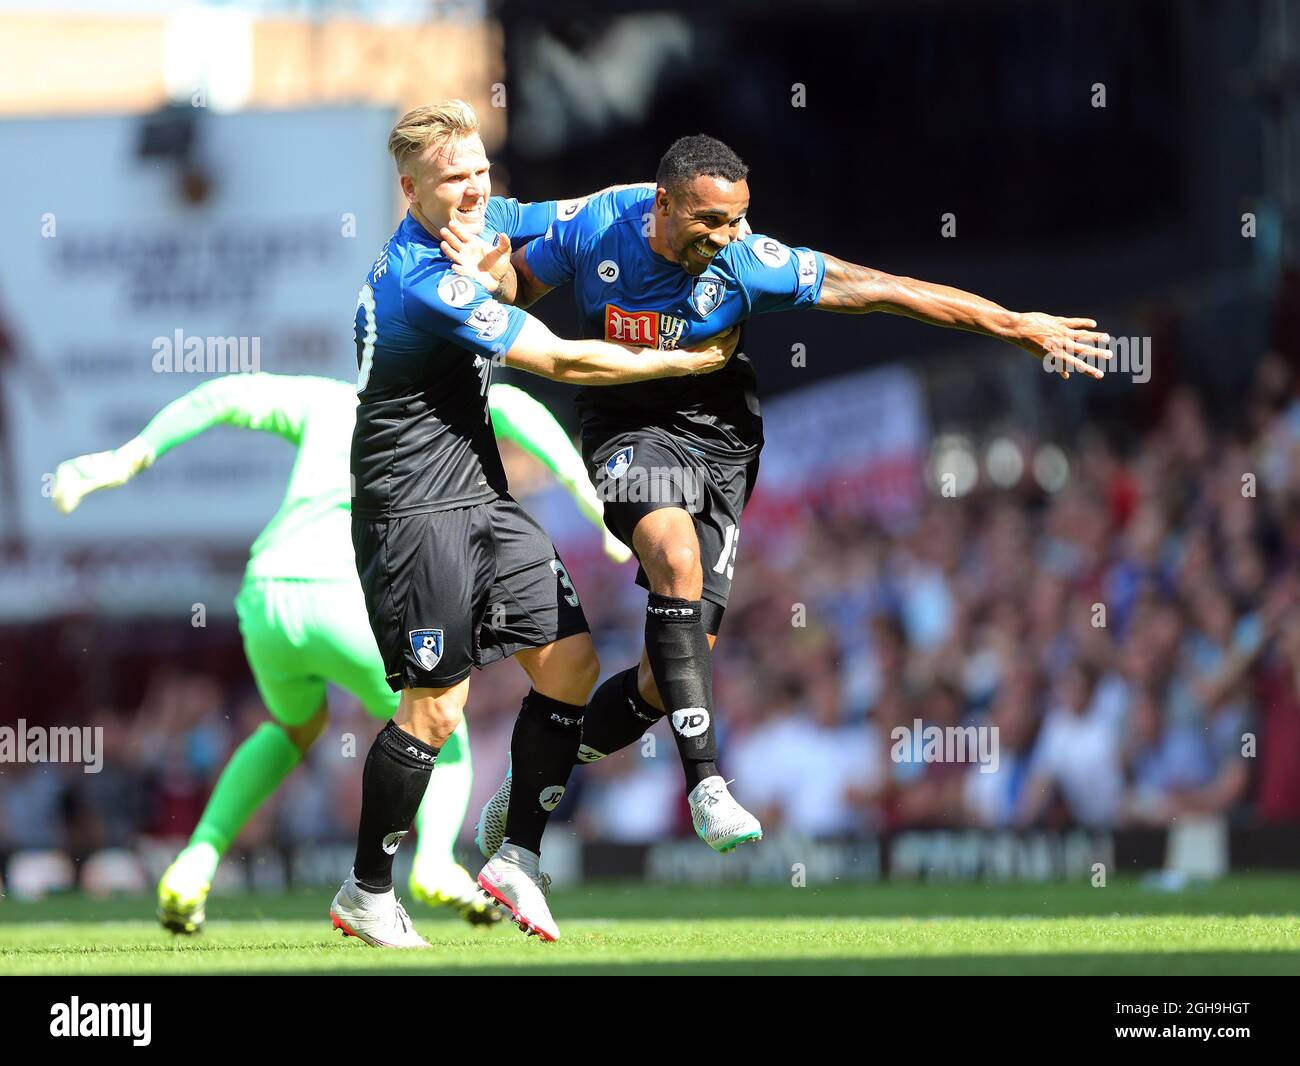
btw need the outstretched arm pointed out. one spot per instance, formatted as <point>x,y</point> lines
<point>268,402</point>
<point>852,289</point>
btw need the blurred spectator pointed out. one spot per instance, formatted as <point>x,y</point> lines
<point>1077,759</point>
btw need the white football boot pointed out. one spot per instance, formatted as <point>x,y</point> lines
<point>183,890</point>
<point>490,832</point>
<point>379,919</point>
<point>439,881</point>
<point>719,820</point>
<point>514,879</point>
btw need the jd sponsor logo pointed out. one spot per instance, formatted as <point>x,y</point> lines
<point>392,841</point>
<point>587,753</point>
<point>550,797</point>
<point>690,721</point>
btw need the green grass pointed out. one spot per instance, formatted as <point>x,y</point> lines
<point>1247,925</point>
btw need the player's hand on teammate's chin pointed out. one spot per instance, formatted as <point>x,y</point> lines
<point>1062,344</point>
<point>475,258</point>
<point>714,353</point>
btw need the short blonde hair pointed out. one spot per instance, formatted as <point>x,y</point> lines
<point>427,125</point>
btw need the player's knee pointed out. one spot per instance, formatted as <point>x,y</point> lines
<point>672,565</point>
<point>576,661</point>
<point>432,715</point>
<point>441,721</point>
<point>587,670</point>
<point>307,733</point>
<point>443,716</point>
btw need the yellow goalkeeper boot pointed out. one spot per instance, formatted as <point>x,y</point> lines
<point>440,882</point>
<point>183,890</point>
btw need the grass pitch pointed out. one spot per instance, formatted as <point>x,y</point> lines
<point>1245,925</point>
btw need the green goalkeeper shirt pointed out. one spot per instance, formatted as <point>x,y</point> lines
<point>310,536</point>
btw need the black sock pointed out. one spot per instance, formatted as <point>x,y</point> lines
<point>542,750</point>
<point>617,715</point>
<point>679,655</point>
<point>392,785</point>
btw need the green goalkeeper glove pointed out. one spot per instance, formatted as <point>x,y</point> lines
<point>77,478</point>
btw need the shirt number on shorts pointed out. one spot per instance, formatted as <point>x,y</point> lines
<point>366,301</point>
<point>727,557</point>
<point>571,594</point>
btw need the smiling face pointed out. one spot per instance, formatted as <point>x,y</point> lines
<point>695,223</point>
<point>449,181</point>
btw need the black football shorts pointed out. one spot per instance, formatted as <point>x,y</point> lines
<point>641,471</point>
<point>449,590</point>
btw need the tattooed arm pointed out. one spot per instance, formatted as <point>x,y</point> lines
<point>851,289</point>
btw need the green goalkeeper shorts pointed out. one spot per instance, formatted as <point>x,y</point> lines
<point>300,636</point>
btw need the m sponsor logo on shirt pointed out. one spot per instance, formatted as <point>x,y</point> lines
<point>647,329</point>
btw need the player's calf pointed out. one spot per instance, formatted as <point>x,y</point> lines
<point>617,715</point>
<point>676,641</point>
<point>543,749</point>
<point>393,782</point>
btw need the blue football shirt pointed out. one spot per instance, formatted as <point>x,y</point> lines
<point>626,292</point>
<point>426,341</point>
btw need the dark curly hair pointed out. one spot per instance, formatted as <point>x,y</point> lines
<point>689,157</point>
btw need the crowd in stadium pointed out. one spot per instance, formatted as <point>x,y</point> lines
<point>1134,638</point>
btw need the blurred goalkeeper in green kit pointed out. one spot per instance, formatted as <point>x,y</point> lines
<point>302,615</point>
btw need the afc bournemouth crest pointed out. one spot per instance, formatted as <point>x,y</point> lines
<point>707,295</point>
<point>616,465</point>
<point>427,645</point>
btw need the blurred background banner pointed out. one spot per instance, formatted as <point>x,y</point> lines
<point>175,250</point>
<point>857,443</point>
